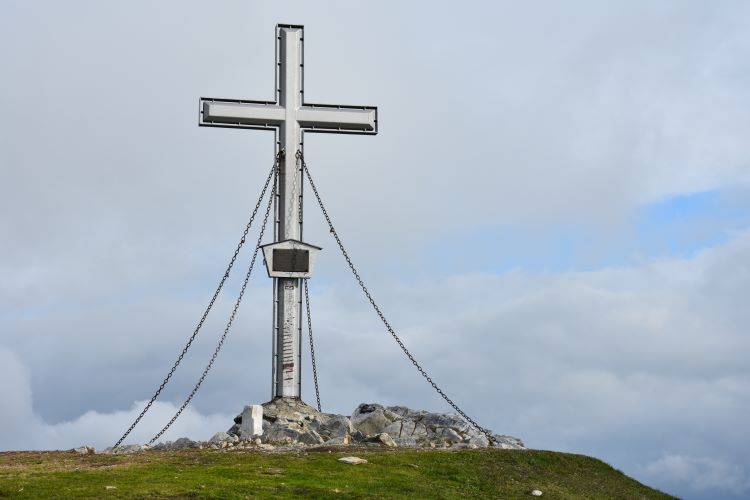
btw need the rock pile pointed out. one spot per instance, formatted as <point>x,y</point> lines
<point>290,423</point>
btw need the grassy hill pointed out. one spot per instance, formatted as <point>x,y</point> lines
<point>315,474</point>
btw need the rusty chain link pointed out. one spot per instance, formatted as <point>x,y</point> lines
<point>271,175</point>
<point>398,340</point>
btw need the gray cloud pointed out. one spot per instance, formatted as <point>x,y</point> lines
<point>23,428</point>
<point>700,473</point>
<point>630,364</point>
<point>119,213</point>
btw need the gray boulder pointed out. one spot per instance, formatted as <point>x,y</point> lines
<point>508,442</point>
<point>395,428</point>
<point>419,432</point>
<point>406,442</point>
<point>219,437</point>
<point>339,441</point>
<point>434,421</point>
<point>331,426</point>
<point>358,437</point>
<point>407,413</point>
<point>371,419</point>
<point>279,432</point>
<point>291,421</point>
<point>310,437</point>
<point>480,441</point>
<point>449,435</point>
<point>289,409</point>
<point>184,444</point>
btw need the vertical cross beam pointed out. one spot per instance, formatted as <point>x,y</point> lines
<point>287,362</point>
<point>289,116</point>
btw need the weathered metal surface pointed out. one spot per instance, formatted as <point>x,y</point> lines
<point>289,116</point>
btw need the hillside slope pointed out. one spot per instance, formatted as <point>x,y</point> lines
<point>315,474</point>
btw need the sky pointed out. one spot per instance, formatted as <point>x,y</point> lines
<point>554,216</point>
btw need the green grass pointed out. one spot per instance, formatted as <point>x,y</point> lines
<point>315,474</point>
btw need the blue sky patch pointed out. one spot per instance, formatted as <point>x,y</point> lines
<point>677,227</point>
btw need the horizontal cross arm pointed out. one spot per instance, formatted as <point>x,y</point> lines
<point>258,114</point>
<point>338,118</point>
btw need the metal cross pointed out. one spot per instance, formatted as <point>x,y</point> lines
<point>289,116</point>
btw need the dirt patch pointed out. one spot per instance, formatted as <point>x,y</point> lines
<point>57,461</point>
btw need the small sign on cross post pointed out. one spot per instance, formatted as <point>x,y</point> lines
<point>289,116</point>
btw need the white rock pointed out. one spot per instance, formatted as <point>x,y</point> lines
<point>508,442</point>
<point>450,435</point>
<point>479,440</point>
<point>536,493</point>
<point>352,460</point>
<point>386,440</point>
<point>252,422</point>
<point>85,450</point>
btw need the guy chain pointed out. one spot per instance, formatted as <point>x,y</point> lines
<point>271,175</point>
<point>474,424</point>
<point>312,348</point>
<point>274,171</point>
<point>229,323</point>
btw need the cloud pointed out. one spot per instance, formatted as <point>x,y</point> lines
<point>119,214</point>
<point>620,363</point>
<point>585,112</point>
<point>22,429</point>
<point>700,473</point>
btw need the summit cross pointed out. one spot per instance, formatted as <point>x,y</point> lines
<point>288,116</point>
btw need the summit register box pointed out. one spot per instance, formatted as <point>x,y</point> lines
<point>290,259</point>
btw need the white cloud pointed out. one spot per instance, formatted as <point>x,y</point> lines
<point>619,363</point>
<point>700,473</point>
<point>21,428</point>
